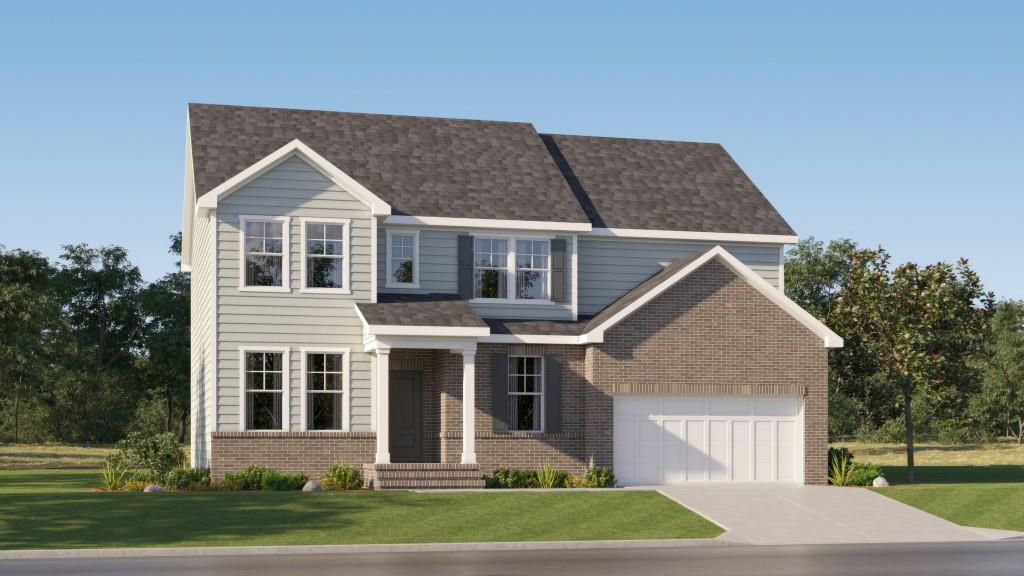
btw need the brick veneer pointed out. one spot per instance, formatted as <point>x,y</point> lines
<point>712,333</point>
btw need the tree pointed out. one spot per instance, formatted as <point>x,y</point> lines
<point>815,273</point>
<point>94,386</point>
<point>1002,394</point>
<point>27,310</point>
<point>915,328</point>
<point>165,360</point>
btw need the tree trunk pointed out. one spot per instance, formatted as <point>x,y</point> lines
<point>1020,429</point>
<point>909,419</point>
<point>17,411</point>
<point>183,426</point>
<point>168,416</point>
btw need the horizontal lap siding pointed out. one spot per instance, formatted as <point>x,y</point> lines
<point>610,268</point>
<point>202,340</point>
<point>295,319</point>
<point>438,269</point>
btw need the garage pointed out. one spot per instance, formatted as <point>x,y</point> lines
<point>677,439</point>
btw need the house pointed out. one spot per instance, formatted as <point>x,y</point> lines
<point>433,298</point>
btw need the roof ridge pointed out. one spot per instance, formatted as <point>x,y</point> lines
<point>352,113</point>
<point>631,139</point>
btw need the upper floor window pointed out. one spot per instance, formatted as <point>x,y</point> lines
<point>490,262</point>
<point>525,393</point>
<point>520,263</point>
<point>265,252</point>
<point>403,251</point>
<point>325,257</point>
<point>263,396</point>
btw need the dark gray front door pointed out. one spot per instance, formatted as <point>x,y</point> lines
<point>406,416</point>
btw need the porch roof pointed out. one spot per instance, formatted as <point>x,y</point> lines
<point>426,310</point>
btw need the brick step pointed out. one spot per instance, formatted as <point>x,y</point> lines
<point>427,483</point>
<point>425,466</point>
<point>428,474</point>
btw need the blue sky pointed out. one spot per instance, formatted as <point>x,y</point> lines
<point>899,124</point>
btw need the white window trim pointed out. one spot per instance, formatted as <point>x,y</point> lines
<point>346,395</point>
<point>286,232</point>
<point>510,270</point>
<point>346,256</point>
<point>388,282</point>
<point>285,384</point>
<point>541,395</point>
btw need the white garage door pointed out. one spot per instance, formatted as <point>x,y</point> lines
<point>674,439</point>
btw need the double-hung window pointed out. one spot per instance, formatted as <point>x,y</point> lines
<point>324,376</point>
<point>512,268</point>
<point>265,374</point>
<point>490,274</point>
<point>526,393</point>
<point>403,270</point>
<point>265,252</point>
<point>325,255</point>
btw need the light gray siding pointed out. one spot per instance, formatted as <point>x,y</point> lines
<point>611,267</point>
<point>201,337</point>
<point>295,319</point>
<point>438,269</point>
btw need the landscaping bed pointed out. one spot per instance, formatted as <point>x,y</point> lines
<point>59,509</point>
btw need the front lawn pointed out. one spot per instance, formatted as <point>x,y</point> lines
<point>978,485</point>
<point>55,509</point>
<point>24,456</point>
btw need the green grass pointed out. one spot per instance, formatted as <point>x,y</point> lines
<point>55,509</point>
<point>26,456</point>
<point>973,485</point>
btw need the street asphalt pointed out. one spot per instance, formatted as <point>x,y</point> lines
<point>931,559</point>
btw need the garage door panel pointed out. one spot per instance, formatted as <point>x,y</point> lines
<point>673,451</point>
<point>741,451</point>
<point>718,450</point>
<point>669,439</point>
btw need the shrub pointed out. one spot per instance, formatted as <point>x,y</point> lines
<point>114,473</point>
<point>144,477</point>
<point>135,486</point>
<point>575,481</point>
<point>599,477</point>
<point>342,476</point>
<point>251,478</point>
<point>840,468</point>
<point>862,474</point>
<point>158,453</point>
<point>548,477</point>
<point>283,481</point>
<point>187,479</point>
<point>509,478</point>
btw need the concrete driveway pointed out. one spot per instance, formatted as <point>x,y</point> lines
<point>793,514</point>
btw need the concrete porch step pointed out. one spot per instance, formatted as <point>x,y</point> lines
<point>427,484</point>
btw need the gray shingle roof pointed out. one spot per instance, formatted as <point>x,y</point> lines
<point>421,166</point>
<point>663,185</point>
<point>446,310</point>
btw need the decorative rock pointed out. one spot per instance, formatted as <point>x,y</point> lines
<point>154,488</point>
<point>312,486</point>
<point>880,482</point>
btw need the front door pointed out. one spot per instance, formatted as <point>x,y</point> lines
<point>406,415</point>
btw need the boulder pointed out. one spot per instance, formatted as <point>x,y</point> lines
<point>880,482</point>
<point>312,486</point>
<point>154,488</point>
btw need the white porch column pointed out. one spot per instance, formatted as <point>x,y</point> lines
<point>383,406</point>
<point>469,406</point>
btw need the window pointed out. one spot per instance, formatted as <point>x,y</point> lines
<point>403,270</point>
<point>525,393</point>
<point>263,396</point>
<point>532,269</point>
<point>265,252</point>
<point>490,275</point>
<point>325,389</point>
<point>325,265</point>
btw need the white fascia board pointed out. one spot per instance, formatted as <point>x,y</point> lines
<point>541,339</point>
<point>698,236</point>
<point>188,200</point>
<point>293,148</point>
<point>485,223</point>
<point>465,345</point>
<point>828,337</point>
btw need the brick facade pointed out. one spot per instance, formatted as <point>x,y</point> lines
<point>712,333</point>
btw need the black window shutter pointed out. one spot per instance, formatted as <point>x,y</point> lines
<point>499,391</point>
<point>558,270</point>
<point>553,394</point>
<point>465,267</point>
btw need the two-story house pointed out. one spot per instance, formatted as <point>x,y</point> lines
<point>434,298</point>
